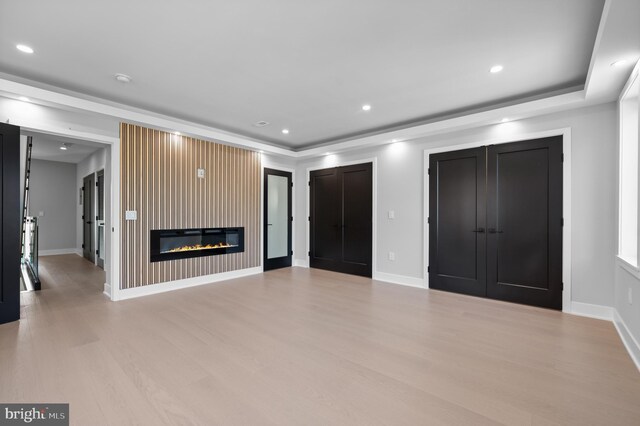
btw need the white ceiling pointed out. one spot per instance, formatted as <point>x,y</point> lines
<point>47,147</point>
<point>307,66</point>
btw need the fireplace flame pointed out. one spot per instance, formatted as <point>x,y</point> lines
<point>200,247</point>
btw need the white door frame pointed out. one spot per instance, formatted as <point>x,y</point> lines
<point>566,198</point>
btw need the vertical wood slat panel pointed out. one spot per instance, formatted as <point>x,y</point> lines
<point>159,180</point>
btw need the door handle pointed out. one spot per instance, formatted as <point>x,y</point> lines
<point>494,231</point>
<point>479,230</point>
<point>89,223</point>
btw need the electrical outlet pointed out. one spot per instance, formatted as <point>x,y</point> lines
<point>392,214</point>
<point>200,173</point>
<point>392,256</point>
<point>131,215</point>
<point>630,295</point>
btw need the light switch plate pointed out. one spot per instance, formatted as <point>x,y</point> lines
<point>201,173</point>
<point>392,214</point>
<point>131,215</point>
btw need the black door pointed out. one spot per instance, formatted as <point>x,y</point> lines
<point>277,219</point>
<point>9,223</point>
<point>495,222</point>
<point>524,222</point>
<point>341,219</point>
<point>88,215</point>
<point>457,247</point>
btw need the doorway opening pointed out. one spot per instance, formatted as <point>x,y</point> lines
<point>93,218</point>
<point>69,180</point>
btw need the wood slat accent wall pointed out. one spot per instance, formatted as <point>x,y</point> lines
<point>159,180</point>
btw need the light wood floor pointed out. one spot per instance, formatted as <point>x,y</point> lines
<point>305,347</point>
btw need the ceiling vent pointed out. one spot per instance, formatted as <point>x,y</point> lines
<point>261,123</point>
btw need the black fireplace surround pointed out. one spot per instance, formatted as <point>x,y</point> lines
<point>171,244</point>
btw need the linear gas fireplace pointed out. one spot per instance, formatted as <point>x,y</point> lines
<point>171,244</point>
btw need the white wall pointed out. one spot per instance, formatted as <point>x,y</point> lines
<point>52,192</point>
<point>400,174</point>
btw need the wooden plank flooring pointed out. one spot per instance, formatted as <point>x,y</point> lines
<point>306,347</point>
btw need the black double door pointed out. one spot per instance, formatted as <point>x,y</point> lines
<point>341,219</point>
<point>495,222</point>
<point>9,223</point>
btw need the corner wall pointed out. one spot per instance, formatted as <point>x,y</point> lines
<point>159,181</point>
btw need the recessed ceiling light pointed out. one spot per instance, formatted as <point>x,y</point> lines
<point>620,63</point>
<point>496,68</point>
<point>285,131</point>
<point>24,48</point>
<point>63,147</point>
<point>176,133</point>
<point>504,120</point>
<point>123,78</point>
<point>24,99</point>
<point>394,140</point>
<point>366,107</point>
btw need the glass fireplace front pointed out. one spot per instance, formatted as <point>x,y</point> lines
<point>171,244</point>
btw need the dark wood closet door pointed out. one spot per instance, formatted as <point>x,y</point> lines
<point>457,243</point>
<point>341,219</point>
<point>9,223</point>
<point>524,222</point>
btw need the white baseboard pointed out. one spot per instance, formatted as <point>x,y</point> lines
<point>591,311</point>
<point>107,290</point>
<point>147,290</point>
<point>399,279</point>
<point>632,345</point>
<point>301,263</point>
<point>55,252</point>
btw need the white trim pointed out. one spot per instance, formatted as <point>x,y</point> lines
<point>566,197</point>
<point>633,270</point>
<point>55,252</point>
<point>592,311</point>
<point>400,280</point>
<point>301,263</point>
<point>596,45</point>
<point>528,108</point>
<point>107,290</point>
<point>630,343</point>
<point>128,113</point>
<point>265,163</point>
<point>185,283</point>
<point>626,264</point>
<point>113,263</point>
<point>374,204</point>
<point>519,111</point>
